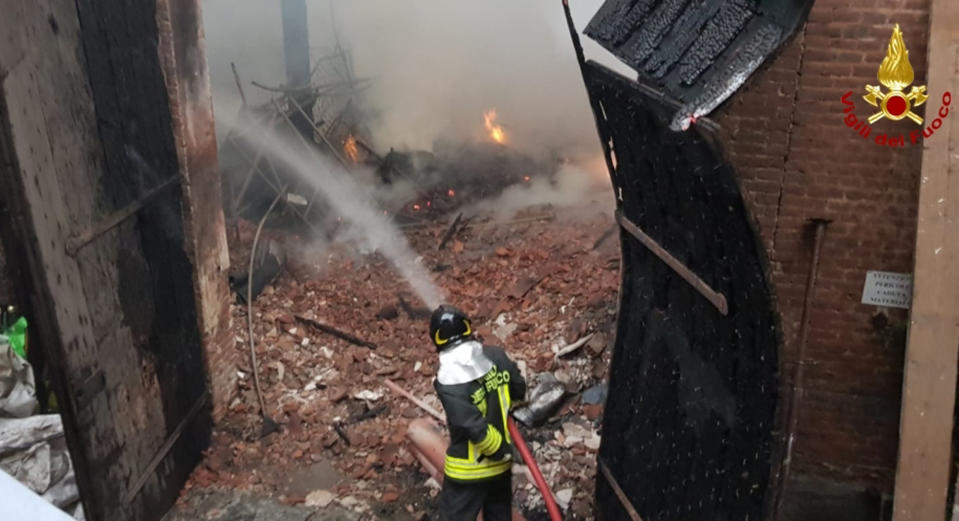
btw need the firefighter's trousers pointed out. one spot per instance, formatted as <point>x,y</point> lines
<point>463,501</point>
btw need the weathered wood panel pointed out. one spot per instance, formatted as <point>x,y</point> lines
<point>85,129</point>
<point>932,352</point>
<point>183,61</point>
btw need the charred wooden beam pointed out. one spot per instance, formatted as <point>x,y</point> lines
<point>419,403</point>
<point>343,335</point>
<point>341,432</point>
<point>414,312</point>
<point>369,150</point>
<point>716,298</point>
<point>369,414</point>
<point>450,231</point>
<point>627,505</point>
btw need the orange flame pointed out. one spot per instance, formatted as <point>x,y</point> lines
<point>496,132</point>
<point>351,150</point>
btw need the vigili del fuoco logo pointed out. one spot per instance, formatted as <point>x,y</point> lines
<point>894,103</point>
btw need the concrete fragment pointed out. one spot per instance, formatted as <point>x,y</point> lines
<point>348,502</point>
<point>596,394</point>
<point>319,498</point>
<point>368,395</point>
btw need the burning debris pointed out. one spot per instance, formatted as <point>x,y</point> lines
<point>533,286</point>
<point>351,149</point>
<point>417,185</point>
<point>325,118</point>
<point>496,132</point>
<point>454,175</point>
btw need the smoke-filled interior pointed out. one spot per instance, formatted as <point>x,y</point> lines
<point>420,131</point>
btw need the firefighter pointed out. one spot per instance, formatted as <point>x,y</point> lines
<point>476,385</point>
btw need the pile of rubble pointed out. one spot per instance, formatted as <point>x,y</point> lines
<point>543,287</point>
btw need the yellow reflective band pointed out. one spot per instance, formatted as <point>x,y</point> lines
<point>476,465</point>
<point>480,470</point>
<point>440,341</point>
<point>487,441</point>
<point>474,477</point>
<point>462,461</point>
<point>477,473</point>
<point>491,443</point>
<point>504,403</point>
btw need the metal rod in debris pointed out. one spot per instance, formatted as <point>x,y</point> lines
<point>165,448</point>
<point>239,85</point>
<point>253,163</point>
<point>334,150</point>
<point>335,332</point>
<point>795,397</point>
<point>114,219</point>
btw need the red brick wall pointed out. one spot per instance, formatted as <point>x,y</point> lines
<point>797,160</point>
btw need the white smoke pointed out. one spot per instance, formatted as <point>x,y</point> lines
<point>436,65</point>
<point>573,187</point>
<point>347,198</point>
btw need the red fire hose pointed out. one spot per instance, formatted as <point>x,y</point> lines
<point>520,443</point>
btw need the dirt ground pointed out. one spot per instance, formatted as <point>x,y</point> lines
<point>535,283</point>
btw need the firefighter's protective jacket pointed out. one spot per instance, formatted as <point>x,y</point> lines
<point>476,411</point>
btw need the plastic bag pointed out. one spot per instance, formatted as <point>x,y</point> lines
<point>17,335</point>
<point>17,387</point>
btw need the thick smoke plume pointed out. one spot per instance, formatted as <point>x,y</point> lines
<point>345,196</point>
<point>436,66</point>
<point>572,187</point>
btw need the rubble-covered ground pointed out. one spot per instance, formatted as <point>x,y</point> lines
<point>532,285</point>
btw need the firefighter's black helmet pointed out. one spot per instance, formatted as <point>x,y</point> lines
<point>449,326</point>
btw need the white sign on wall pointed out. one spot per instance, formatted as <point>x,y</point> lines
<point>888,289</point>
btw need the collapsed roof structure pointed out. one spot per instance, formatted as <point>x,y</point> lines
<point>697,52</point>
